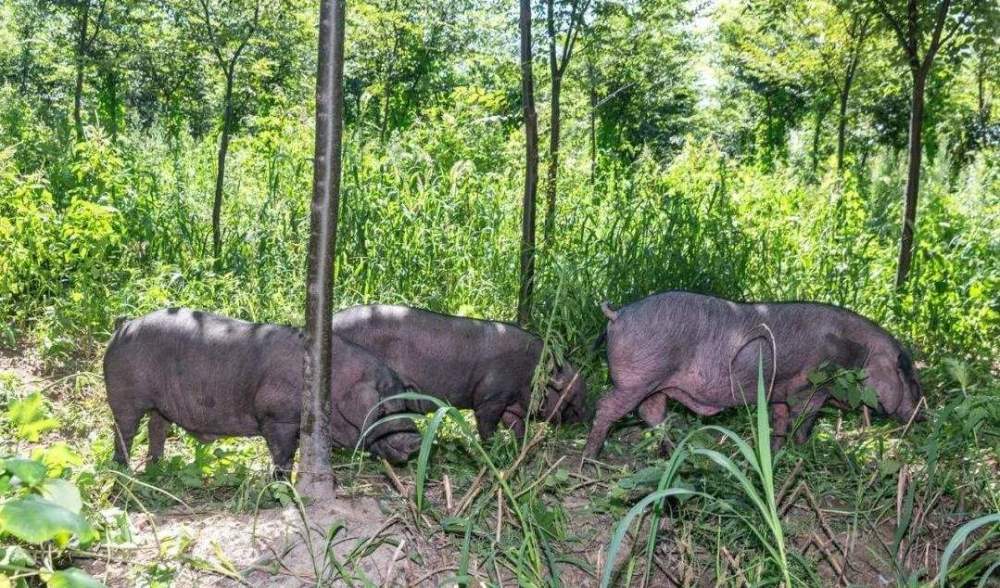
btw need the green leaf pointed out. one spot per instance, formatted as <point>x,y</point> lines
<point>853,396</point>
<point>817,377</point>
<point>63,493</point>
<point>31,417</point>
<point>869,397</point>
<point>425,451</point>
<point>958,538</point>
<point>14,558</point>
<point>71,578</point>
<point>29,471</point>
<point>36,520</point>
<point>889,467</point>
<point>455,525</point>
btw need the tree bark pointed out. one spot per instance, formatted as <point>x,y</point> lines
<point>842,124</point>
<point>554,130</point>
<point>593,122</point>
<point>817,138</point>
<point>220,174</point>
<point>912,178</point>
<point>315,475</point>
<point>530,168</point>
<point>81,51</point>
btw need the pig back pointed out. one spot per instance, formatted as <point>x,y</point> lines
<point>440,355</point>
<point>210,374</point>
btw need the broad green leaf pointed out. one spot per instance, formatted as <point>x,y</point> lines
<point>36,520</point>
<point>31,417</point>
<point>869,397</point>
<point>29,471</point>
<point>57,457</point>
<point>15,558</point>
<point>816,378</point>
<point>71,578</point>
<point>853,396</point>
<point>63,493</point>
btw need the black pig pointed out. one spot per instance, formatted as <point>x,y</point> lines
<point>483,365</point>
<point>703,352</point>
<point>220,377</point>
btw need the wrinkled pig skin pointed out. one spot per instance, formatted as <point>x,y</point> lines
<point>703,352</point>
<point>486,366</point>
<point>220,377</point>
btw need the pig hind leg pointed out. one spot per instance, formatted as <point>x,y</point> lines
<point>125,427</point>
<point>158,426</point>
<point>614,405</point>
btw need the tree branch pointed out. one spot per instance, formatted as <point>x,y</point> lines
<point>97,25</point>
<point>939,20</point>
<point>575,24</point>
<point>897,27</point>
<point>211,35</point>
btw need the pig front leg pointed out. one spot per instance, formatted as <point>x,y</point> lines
<point>282,441</point>
<point>513,417</point>
<point>779,425</point>
<point>804,413</point>
<point>614,405</point>
<point>488,416</point>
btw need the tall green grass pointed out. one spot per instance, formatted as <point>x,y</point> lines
<point>757,487</point>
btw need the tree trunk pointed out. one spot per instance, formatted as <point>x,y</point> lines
<point>390,72</point>
<point>220,174</point>
<point>81,50</point>
<point>817,136</point>
<point>315,476</point>
<point>530,168</point>
<point>912,178</point>
<point>553,172</point>
<point>842,124</point>
<point>556,84</point>
<point>112,103</point>
<point>593,122</point>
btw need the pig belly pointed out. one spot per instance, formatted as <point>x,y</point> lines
<point>693,403</point>
<point>208,417</point>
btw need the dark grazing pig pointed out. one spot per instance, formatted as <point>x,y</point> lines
<point>483,365</point>
<point>220,377</point>
<point>703,352</point>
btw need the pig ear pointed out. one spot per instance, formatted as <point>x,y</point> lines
<point>560,376</point>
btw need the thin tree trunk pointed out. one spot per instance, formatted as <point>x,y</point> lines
<point>817,136</point>
<point>530,168</point>
<point>593,122</point>
<point>390,72</point>
<point>220,174</point>
<point>842,124</point>
<point>81,50</point>
<point>556,88</point>
<point>553,172</point>
<point>912,178</point>
<point>315,476</point>
<point>113,105</point>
